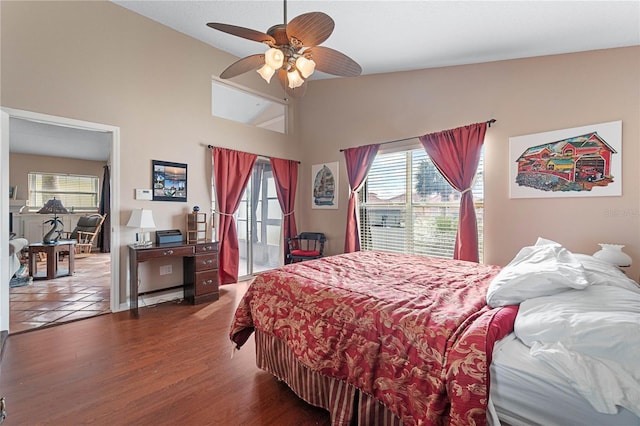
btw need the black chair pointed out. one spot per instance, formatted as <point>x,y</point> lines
<point>305,246</point>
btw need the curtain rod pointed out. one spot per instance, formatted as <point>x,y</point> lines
<point>489,123</point>
<point>259,155</point>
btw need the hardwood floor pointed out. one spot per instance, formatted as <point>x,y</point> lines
<point>50,302</point>
<point>172,366</point>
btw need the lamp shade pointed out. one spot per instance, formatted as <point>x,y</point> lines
<point>613,253</point>
<point>141,218</point>
<point>295,80</point>
<point>305,66</point>
<point>266,72</point>
<point>54,207</point>
<point>274,58</point>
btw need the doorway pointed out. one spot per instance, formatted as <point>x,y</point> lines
<point>259,222</point>
<point>110,144</point>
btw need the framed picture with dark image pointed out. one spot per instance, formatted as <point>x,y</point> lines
<point>169,181</point>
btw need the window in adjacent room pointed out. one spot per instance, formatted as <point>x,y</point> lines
<point>77,192</point>
<point>408,207</point>
<point>235,104</point>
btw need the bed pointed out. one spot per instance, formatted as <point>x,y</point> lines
<point>386,338</point>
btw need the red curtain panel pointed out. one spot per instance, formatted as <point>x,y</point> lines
<point>456,154</point>
<point>359,161</point>
<point>232,170</point>
<point>285,173</point>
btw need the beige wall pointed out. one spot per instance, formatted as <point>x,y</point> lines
<point>98,62</point>
<point>20,165</point>
<point>524,96</point>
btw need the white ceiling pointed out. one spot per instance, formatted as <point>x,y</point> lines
<point>388,36</point>
<point>32,137</point>
<point>382,36</point>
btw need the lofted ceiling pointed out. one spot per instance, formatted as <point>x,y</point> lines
<point>382,36</point>
<point>390,36</point>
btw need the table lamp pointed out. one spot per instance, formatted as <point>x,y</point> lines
<point>613,253</point>
<point>143,219</point>
<point>53,207</point>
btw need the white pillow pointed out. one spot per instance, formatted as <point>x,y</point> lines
<point>543,242</point>
<point>601,321</point>
<point>540,270</point>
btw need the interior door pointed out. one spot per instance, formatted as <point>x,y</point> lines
<point>259,223</point>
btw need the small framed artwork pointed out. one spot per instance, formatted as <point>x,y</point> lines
<point>169,181</point>
<point>324,186</point>
<point>13,192</point>
<point>576,162</point>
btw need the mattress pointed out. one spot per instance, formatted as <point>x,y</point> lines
<point>525,391</point>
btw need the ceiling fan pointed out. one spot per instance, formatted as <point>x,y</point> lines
<point>293,52</point>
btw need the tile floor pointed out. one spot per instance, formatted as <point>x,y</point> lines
<point>50,302</point>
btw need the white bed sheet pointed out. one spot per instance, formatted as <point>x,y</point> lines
<point>526,391</point>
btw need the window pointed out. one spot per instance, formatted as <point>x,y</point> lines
<point>77,192</point>
<point>407,206</point>
<point>238,105</point>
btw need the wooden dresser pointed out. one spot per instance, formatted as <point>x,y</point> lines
<point>201,275</point>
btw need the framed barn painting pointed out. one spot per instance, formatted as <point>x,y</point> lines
<point>324,186</point>
<point>169,181</point>
<point>578,162</point>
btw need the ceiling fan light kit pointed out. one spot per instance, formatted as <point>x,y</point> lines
<point>293,52</point>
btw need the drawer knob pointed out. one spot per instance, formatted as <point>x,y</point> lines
<point>207,282</point>
<point>167,252</point>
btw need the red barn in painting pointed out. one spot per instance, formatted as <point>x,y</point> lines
<point>579,158</point>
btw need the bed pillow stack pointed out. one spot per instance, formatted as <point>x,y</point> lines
<point>543,269</point>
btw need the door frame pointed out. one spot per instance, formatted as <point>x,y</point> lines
<point>114,161</point>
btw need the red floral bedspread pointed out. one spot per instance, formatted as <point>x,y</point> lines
<point>410,330</point>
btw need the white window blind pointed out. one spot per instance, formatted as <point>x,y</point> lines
<point>77,192</point>
<point>408,207</point>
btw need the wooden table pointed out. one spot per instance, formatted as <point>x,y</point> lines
<point>52,251</point>
<point>200,269</point>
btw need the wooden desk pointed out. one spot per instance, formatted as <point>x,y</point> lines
<point>200,269</point>
<point>53,252</point>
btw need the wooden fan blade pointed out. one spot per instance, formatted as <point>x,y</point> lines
<point>298,92</point>
<point>243,65</point>
<point>242,32</point>
<point>333,62</point>
<point>310,28</point>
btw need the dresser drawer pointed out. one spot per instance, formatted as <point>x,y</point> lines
<point>159,252</point>
<point>202,248</point>
<point>206,282</point>
<point>204,262</point>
